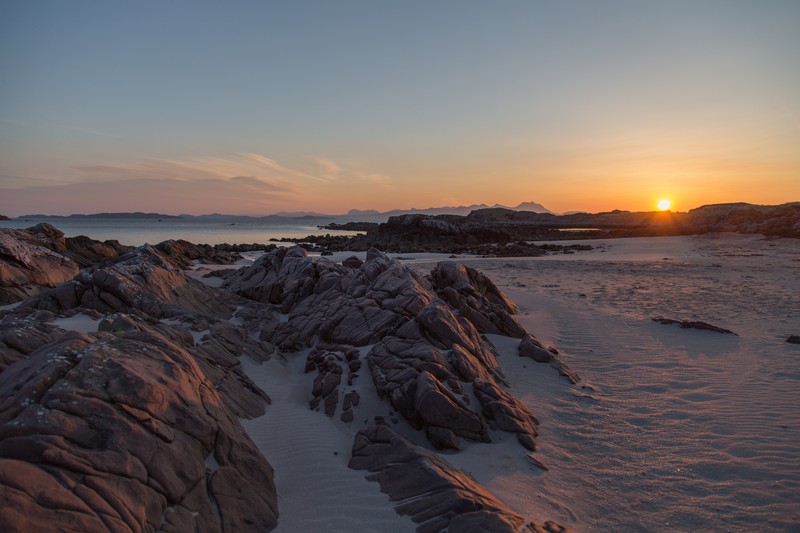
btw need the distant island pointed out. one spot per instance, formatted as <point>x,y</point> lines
<point>353,215</point>
<point>127,216</point>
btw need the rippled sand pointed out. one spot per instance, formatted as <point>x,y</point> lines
<point>683,429</point>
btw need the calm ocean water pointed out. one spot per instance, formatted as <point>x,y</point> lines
<point>135,232</point>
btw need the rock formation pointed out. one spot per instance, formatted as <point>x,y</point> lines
<point>434,493</point>
<point>427,337</point>
<point>27,265</point>
<point>134,427</point>
<point>124,432</point>
<point>507,232</point>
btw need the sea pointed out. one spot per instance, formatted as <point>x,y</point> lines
<point>139,231</point>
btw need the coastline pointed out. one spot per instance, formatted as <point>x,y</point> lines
<point>669,428</point>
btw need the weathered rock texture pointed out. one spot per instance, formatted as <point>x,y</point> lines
<point>183,253</point>
<point>530,347</point>
<point>124,432</point>
<point>27,265</point>
<point>142,280</point>
<point>132,428</point>
<point>434,493</point>
<point>429,358</point>
<point>41,257</point>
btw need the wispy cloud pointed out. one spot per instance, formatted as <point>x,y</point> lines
<point>274,166</point>
<point>236,183</point>
<point>329,170</point>
<point>372,177</point>
<point>240,194</point>
<point>241,164</point>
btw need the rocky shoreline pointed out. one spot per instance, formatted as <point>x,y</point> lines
<point>503,232</point>
<point>130,422</point>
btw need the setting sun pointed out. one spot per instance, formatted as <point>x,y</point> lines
<point>664,204</point>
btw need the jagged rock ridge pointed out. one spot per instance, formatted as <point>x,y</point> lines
<point>429,358</point>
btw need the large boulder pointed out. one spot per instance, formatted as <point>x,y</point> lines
<point>27,266</point>
<point>112,433</point>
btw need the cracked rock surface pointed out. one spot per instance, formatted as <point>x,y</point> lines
<point>427,335</point>
<point>107,432</point>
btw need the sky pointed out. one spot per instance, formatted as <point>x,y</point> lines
<point>262,107</point>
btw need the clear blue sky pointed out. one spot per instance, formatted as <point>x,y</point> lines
<point>258,107</point>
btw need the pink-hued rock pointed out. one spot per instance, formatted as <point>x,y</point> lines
<point>27,265</point>
<point>141,279</point>
<point>102,432</point>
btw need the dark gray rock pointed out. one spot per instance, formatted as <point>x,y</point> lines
<point>793,339</point>
<point>426,334</point>
<point>692,324</point>
<point>530,347</point>
<point>443,439</point>
<point>507,412</point>
<point>221,368</point>
<point>435,494</point>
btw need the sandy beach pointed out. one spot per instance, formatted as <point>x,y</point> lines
<point>673,429</point>
<point>668,429</point>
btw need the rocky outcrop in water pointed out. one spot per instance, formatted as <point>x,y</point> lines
<point>445,234</point>
<point>83,250</point>
<point>506,232</point>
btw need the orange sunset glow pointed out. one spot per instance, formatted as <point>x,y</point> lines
<point>581,108</point>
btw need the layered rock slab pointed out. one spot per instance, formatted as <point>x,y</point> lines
<point>27,265</point>
<point>142,280</point>
<point>431,491</point>
<point>102,433</point>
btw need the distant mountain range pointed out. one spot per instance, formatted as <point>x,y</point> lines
<point>371,215</point>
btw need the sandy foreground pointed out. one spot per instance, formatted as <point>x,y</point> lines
<point>677,430</point>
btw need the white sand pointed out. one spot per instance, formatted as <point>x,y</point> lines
<point>309,453</point>
<point>80,323</point>
<point>681,430</point>
<point>687,430</point>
